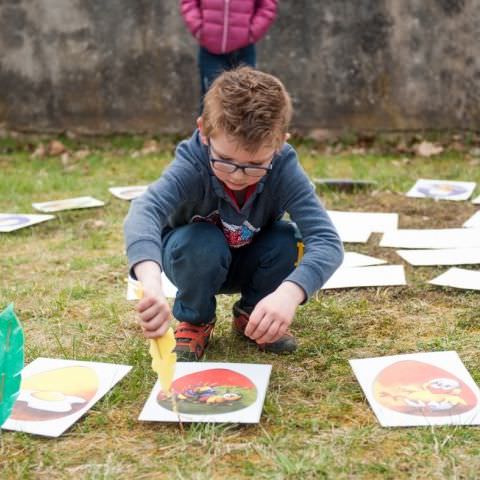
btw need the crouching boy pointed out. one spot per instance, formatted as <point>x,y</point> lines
<point>213,223</point>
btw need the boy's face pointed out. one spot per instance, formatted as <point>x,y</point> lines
<point>228,152</point>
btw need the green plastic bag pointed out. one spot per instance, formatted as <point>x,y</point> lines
<point>11,361</point>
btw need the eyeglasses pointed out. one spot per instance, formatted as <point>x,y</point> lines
<point>226,166</point>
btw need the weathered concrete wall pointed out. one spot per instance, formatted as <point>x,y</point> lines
<point>101,66</point>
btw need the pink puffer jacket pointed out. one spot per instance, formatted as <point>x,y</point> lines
<point>222,26</point>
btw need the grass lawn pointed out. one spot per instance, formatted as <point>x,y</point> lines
<point>67,280</point>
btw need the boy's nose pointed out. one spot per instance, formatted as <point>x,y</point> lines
<point>238,173</point>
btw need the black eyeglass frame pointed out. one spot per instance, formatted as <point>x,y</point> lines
<point>236,166</point>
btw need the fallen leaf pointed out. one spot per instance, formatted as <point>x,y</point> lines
<point>39,152</point>
<point>56,148</point>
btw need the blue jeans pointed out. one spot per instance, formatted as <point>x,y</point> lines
<point>212,65</point>
<point>198,260</point>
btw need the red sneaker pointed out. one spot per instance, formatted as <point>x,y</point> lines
<point>285,344</point>
<point>192,340</point>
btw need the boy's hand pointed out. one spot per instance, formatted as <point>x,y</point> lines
<point>153,309</point>
<point>273,314</point>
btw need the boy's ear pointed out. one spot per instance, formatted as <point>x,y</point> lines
<point>203,138</point>
<point>287,136</point>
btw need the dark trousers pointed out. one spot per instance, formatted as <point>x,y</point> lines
<point>198,260</point>
<point>212,65</point>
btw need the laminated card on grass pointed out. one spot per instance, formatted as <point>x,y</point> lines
<point>10,222</point>
<point>54,394</point>
<point>432,238</point>
<point>442,189</point>
<point>68,204</point>
<point>375,276</point>
<point>419,389</point>
<point>210,392</point>
<point>128,193</point>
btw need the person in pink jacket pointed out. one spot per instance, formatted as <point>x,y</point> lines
<point>226,31</point>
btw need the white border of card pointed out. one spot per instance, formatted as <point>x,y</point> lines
<point>9,222</point>
<point>109,375</point>
<point>442,256</point>
<point>258,374</point>
<point>128,193</point>
<point>465,189</point>
<point>435,238</point>
<point>473,221</point>
<point>458,278</point>
<point>367,369</point>
<point>68,204</point>
<point>376,276</point>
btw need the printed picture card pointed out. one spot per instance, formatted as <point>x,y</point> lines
<point>54,394</point>
<point>211,392</point>
<point>376,276</point>
<point>128,193</point>
<point>442,189</point>
<point>443,256</point>
<point>473,221</point>
<point>354,259</point>
<point>68,204</point>
<point>459,278</point>
<point>10,222</point>
<point>419,389</point>
<point>365,221</point>
<point>435,238</point>
<point>135,288</point>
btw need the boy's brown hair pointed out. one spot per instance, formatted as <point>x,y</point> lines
<point>251,107</point>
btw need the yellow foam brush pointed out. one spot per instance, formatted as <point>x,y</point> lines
<point>164,358</point>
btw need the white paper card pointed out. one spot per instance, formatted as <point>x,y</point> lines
<point>442,189</point>
<point>459,278</point>
<point>211,392</point>
<point>67,204</point>
<point>365,221</point>
<point>376,276</point>
<point>54,394</point>
<point>128,193</point>
<point>134,287</point>
<point>14,221</point>
<point>473,221</point>
<point>436,238</point>
<point>443,256</point>
<point>353,235</point>
<point>476,200</point>
<point>354,259</point>
<point>419,389</point>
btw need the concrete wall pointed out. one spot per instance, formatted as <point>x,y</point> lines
<point>99,66</point>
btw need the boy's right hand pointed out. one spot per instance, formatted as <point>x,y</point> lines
<point>153,309</point>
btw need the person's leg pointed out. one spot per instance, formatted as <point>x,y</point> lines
<point>243,56</point>
<point>259,268</point>
<point>256,271</point>
<point>210,66</point>
<point>196,258</point>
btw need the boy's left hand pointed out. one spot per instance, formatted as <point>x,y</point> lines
<point>273,314</point>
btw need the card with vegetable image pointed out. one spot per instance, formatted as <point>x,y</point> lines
<point>211,392</point>
<point>55,393</point>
